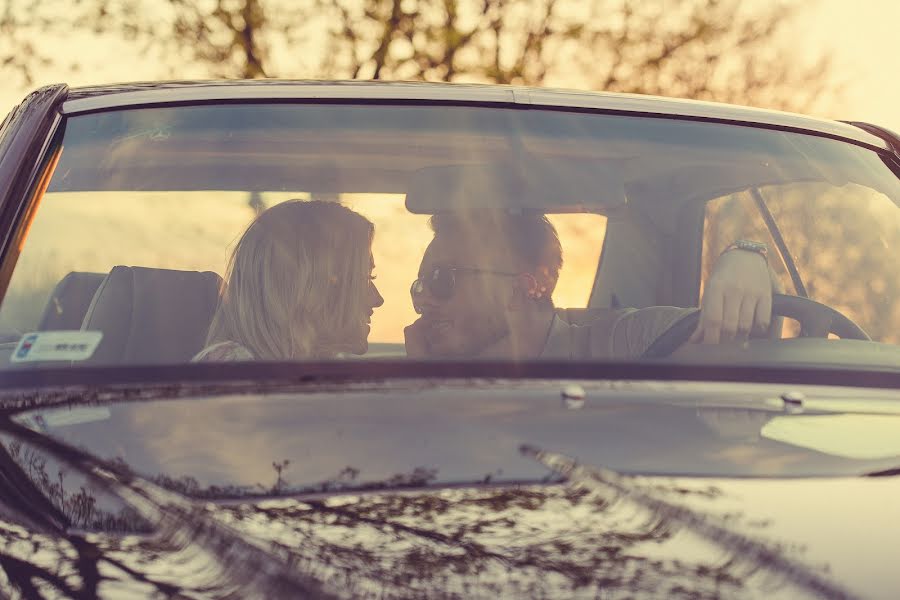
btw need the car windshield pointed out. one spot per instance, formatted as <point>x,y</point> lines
<point>334,232</point>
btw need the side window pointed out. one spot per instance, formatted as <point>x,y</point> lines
<point>90,233</point>
<point>402,237</point>
<point>842,240</point>
<point>196,231</point>
<point>581,236</point>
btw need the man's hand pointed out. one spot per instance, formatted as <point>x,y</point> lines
<point>737,299</point>
<point>416,346</point>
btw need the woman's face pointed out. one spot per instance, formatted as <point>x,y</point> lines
<point>372,300</point>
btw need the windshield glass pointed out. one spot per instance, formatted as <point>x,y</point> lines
<point>290,232</point>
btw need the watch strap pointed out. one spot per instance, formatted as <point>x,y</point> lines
<point>749,246</point>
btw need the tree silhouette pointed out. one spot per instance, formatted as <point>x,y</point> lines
<point>586,536</point>
<point>704,49</point>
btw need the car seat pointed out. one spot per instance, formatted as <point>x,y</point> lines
<point>152,316</point>
<point>69,301</point>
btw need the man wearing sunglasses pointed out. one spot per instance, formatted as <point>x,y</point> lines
<point>485,284</point>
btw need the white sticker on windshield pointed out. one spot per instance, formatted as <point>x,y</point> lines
<point>56,345</point>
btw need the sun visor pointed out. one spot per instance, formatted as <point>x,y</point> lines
<point>712,180</point>
<point>543,186</point>
<point>841,164</point>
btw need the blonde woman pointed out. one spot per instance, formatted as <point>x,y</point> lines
<point>299,286</point>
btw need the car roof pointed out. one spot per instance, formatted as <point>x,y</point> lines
<point>131,95</point>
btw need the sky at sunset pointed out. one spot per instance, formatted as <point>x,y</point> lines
<point>862,37</point>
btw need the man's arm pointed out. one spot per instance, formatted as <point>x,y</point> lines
<point>737,301</point>
<point>633,331</point>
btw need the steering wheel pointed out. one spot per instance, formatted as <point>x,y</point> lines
<point>816,320</point>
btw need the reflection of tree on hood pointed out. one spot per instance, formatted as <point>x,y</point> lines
<point>593,535</point>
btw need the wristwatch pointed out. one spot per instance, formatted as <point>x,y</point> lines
<point>749,246</point>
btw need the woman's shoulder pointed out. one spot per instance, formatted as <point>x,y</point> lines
<point>223,351</point>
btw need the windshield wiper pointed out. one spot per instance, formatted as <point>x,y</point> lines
<point>892,472</point>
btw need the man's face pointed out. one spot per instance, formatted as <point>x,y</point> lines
<point>475,314</point>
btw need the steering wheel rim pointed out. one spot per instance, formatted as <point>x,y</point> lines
<point>816,320</point>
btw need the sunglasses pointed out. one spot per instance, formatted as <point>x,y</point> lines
<point>441,281</point>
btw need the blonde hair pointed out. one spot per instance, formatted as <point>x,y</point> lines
<point>296,282</point>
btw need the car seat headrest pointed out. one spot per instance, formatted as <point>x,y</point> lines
<point>152,316</point>
<point>69,301</point>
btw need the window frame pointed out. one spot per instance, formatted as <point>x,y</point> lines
<point>32,137</point>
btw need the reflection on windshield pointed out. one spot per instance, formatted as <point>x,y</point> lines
<point>299,233</point>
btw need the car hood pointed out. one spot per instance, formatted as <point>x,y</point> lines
<point>501,489</point>
<point>597,534</point>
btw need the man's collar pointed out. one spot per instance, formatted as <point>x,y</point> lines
<point>505,348</point>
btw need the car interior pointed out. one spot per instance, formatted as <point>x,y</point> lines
<point>161,316</point>
<point>654,194</point>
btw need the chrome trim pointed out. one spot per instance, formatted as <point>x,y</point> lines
<point>240,90</point>
<point>9,259</point>
<point>84,100</point>
<point>889,137</point>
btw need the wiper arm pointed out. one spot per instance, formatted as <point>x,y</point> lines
<point>892,472</point>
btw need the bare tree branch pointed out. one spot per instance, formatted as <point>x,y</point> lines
<point>706,49</point>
